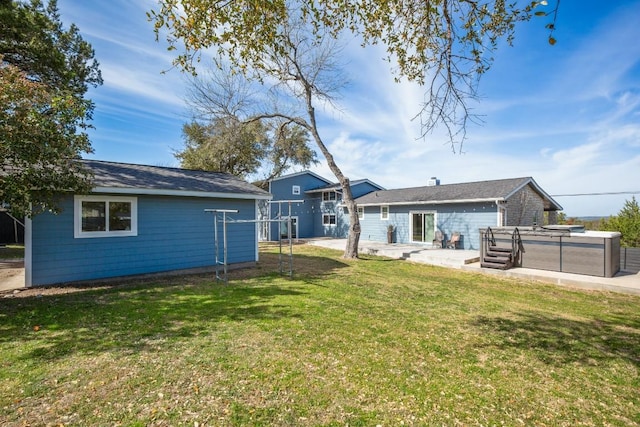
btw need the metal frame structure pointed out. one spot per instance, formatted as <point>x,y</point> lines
<point>225,221</point>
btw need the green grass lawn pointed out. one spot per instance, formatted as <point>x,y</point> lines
<point>359,343</point>
<point>11,252</point>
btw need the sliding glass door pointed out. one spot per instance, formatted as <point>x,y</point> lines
<point>422,227</point>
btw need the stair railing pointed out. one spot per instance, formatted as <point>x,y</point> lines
<point>516,246</point>
<point>489,238</point>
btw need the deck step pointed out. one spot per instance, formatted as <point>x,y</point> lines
<point>498,249</point>
<point>498,254</point>
<point>499,266</point>
<point>497,259</point>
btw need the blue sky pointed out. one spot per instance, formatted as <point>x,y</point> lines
<point>567,115</point>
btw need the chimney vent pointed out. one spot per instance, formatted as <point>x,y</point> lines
<point>433,181</point>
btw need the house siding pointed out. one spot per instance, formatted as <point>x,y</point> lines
<point>174,233</point>
<point>466,219</point>
<point>281,189</point>
<point>341,228</point>
<point>525,206</point>
<point>310,213</point>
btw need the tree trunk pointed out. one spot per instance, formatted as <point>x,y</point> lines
<point>353,239</point>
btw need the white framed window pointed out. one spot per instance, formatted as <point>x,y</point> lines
<point>295,190</point>
<point>360,212</point>
<point>105,216</point>
<point>328,219</point>
<point>328,196</point>
<point>384,212</point>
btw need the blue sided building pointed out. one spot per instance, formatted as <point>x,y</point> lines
<point>139,220</point>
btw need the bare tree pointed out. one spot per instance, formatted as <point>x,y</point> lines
<point>220,138</point>
<point>290,82</point>
<point>445,45</point>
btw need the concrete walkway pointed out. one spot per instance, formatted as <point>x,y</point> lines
<point>623,282</point>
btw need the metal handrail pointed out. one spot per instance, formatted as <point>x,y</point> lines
<point>492,239</point>
<point>516,244</point>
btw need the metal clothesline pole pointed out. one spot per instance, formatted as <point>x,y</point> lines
<point>290,242</point>
<point>224,240</point>
<point>280,237</point>
<point>224,262</point>
<point>289,224</point>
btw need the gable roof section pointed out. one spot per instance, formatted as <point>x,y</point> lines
<point>549,203</point>
<point>338,187</point>
<point>292,175</point>
<point>126,178</point>
<point>481,191</point>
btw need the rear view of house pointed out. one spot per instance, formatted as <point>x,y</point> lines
<point>138,220</point>
<point>316,210</point>
<point>417,214</point>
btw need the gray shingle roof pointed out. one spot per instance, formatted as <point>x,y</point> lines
<point>304,172</point>
<point>499,189</point>
<point>338,186</point>
<point>127,177</point>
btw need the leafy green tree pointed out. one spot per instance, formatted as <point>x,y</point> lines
<point>224,145</point>
<point>244,149</point>
<point>287,45</point>
<point>45,72</point>
<point>445,45</point>
<point>627,222</point>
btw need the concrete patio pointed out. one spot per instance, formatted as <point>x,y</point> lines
<point>423,254</point>
<point>623,282</point>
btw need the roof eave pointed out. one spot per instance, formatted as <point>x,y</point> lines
<point>181,193</point>
<point>433,202</point>
<point>293,175</point>
<point>539,190</point>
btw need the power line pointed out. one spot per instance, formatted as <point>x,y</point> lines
<point>610,193</point>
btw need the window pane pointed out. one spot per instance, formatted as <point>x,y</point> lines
<point>93,216</point>
<point>119,216</point>
<point>329,219</point>
<point>416,220</point>
<point>328,196</point>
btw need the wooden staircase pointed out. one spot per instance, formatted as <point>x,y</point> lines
<point>501,257</point>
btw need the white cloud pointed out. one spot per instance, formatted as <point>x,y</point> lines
<point>567,115</point>
<point>151,87</point>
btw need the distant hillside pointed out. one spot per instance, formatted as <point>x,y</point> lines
<point>591,218</point>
